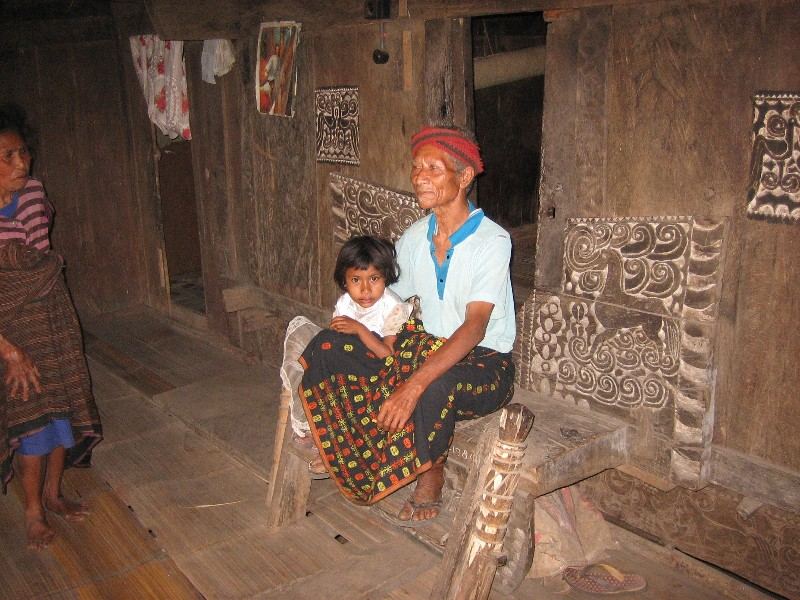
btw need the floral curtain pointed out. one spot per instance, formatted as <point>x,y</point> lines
<point>160,68</point>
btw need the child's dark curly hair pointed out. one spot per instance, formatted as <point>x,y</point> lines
<point>364,251</point>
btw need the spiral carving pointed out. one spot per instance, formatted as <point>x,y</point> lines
<point>641,259</point>
<point>372,210</point>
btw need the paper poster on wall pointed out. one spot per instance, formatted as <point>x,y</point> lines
<point>276,71</point>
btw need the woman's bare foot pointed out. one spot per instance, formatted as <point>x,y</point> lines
<point>68,510</point>
<point>38,531</point>
<point>426,501</point>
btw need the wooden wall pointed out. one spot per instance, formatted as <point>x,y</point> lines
<point>648,111</point>
<point>264,198</point>
<point>660,98</point>
<point>71,80</point>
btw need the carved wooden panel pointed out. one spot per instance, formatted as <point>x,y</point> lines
<point>631,333</point>
<point>337,125</point>
<point>774,191</point>
<point>708,524</point>
<point>362,208</point>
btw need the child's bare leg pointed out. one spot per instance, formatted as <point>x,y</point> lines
<point>37,530</point>
<point>54,499</point>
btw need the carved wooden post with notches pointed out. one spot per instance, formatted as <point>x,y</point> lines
<point>474,548</point>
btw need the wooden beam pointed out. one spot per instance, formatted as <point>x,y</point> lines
<point>56,31</point>
<point>437,9</point>
<point>207,19</point>
<point>506,67</point>
<point>755,478</point>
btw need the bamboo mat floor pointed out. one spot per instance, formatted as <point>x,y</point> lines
<point>178,489</point>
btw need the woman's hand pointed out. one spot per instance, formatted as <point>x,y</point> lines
<point>346,325</point>
<point>397,409</point>
<point>21,374</point>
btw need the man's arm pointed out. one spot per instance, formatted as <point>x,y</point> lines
<point>397,409</point>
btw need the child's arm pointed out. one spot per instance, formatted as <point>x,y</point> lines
<point>347,325</point>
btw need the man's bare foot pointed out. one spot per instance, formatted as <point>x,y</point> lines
<point>426,501</point>
<point>68,510</point>
<point>38,531</point>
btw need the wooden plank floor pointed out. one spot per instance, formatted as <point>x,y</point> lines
<point>110,555</point>
<point>178,489</point>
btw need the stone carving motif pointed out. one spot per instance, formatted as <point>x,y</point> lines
<point>774,190</point>
<point>337,125</point>
<point>632,329</point>
<point>362,208</point>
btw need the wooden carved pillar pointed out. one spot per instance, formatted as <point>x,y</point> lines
<point>471,559</point>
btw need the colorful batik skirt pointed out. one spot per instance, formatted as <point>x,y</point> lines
<point>344,385</point>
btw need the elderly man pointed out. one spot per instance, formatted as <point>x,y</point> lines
<point>381,424</point>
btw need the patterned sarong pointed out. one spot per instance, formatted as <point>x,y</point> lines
<point>36,315</point>
<point>344,385</point>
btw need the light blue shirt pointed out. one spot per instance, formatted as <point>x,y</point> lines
<point>476,268</point>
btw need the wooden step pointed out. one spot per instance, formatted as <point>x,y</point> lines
<point>567,443</point>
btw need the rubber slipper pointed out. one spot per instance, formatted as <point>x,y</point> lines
<point>603,579</point>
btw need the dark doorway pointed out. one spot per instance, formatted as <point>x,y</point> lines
<point>181,233</point>
<point>508,59</point>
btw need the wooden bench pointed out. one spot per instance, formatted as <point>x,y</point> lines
<point>617,364</point>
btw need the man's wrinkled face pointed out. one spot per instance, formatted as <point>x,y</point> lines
<point>434,177</point>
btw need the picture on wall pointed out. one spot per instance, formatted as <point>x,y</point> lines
<point>276,71</point>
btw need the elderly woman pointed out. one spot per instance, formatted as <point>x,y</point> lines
<point>47,414</point>
<point>379,424</point>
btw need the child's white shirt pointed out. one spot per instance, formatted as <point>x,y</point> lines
<point>385,317</point>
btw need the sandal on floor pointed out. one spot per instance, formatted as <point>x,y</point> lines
<point>603,579</point>
<point>415,506</point>
<point>315,473</point>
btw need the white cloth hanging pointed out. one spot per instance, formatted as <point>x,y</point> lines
<point>217,59</point>
<point>162,75</point>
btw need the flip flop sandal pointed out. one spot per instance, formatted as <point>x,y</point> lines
<point>603,579</point>
<point>415,506</point>
<point>315,474</point>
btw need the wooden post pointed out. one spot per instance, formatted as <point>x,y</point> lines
<point>289,482</point>
<point>448,73</point>
<point>471,560</point>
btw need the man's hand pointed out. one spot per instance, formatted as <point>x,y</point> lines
<point>397,409</point>
<point>346,325</point>
<point>21,374</point>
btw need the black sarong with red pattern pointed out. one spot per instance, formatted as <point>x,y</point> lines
<point>344,385</point>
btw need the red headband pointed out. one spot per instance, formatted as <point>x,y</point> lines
<point>452,142</point>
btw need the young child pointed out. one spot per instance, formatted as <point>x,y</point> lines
<point>365,266</point>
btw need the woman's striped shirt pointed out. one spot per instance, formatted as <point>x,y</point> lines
<point>29,218</point>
